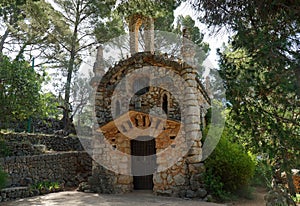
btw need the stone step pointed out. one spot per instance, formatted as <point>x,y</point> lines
<point>13,193</point>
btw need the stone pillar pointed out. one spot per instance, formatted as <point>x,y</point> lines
<point>192,119</point>
<point>99,64</point>
<point>188,48</point>
<point>98,68</point>
<point>135,23</point>
<point>149,35</point>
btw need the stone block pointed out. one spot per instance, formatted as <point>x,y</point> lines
<point>179,179</point>
<point>195,151</point>
<point>157,179</point>
<point>196,168</point>
<point>201,193</point>
<point>124,179</point>
<point>194,159</point>
<point>190,194</point>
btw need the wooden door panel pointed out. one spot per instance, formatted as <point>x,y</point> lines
<point>140,148</point>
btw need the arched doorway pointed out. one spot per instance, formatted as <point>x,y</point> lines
<point>140,148</point>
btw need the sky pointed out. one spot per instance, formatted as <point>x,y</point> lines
<point>215,40</point>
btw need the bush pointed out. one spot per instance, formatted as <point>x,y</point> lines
<point>3,177</point>
<point>263,174</point>
<point>229,169</point>
<point>4,150</point>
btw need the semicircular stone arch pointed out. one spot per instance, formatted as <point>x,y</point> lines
<point>114,76</point>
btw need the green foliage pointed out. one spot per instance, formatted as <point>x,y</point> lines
<point>3,178</point>
<point>49,106</point>
<point>297,199</point>
<point>105,31</point>
<point>46,186</point>
<point>196,35</point>
<point>215,186</point>
<point>263,174</point>
<point>157,8</point>
<point>230,168</point>
<point>20,89</point>
<point>4,151</point>
<point>261,72</point>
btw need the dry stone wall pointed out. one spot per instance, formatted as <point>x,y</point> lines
<point>69,168</point>
<point>21,141</point>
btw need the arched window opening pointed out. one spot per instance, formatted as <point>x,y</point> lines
<point>165,103</point>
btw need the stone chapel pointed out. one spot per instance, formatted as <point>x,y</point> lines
<point>148,137</point>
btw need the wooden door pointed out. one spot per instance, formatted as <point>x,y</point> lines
<point>140,148</point>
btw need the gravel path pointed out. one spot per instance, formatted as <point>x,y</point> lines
<point>73,198</point>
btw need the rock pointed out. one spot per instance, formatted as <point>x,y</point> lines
<point>124,179</point>
<point>182,193</point>
<point>26,181</point>
<point>197,168</point>
<point>196,181</point>
<point>209,198</point>
<point>167,193</point>
<point>195,159</point>
<point>201,193</point>
<point>83,187</point>
<point>157,179</point>
<point>169,179</point>
<point>190,194</point>
<point>179,179</point>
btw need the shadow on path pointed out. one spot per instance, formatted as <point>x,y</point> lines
<point>73,198</point>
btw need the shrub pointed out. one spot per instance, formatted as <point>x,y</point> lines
<point>3,177</point>
<point>229,169</point>
<point>4,150</point>
<point>263,174</point>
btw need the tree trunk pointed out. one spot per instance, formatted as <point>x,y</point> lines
<point>297,73</point>
<point>289,177</point>
<point>5,35</point>
<point>66,118</point>
<point>291,185</point>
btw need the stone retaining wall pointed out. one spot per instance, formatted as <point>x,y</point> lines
<point>9,194</point>
<point>70,168</point>
<point>52,142</point>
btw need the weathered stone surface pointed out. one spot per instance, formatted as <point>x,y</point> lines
<point>124,179</point>
<point>20,144</point>
<point>165,96</point>
<point>194,159</point>
<point>197,168</point>
<point>157,179</point>
<point>201,193</point>
<point>190,194</point>
<point>179,179</point>
<point>8,194</point>
<point>167,193</point>
<point>67,167</point>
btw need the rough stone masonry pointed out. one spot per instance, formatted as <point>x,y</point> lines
<point>184,177</point>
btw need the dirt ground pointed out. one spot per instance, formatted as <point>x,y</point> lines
<point>73,198</point>
<point>137,198</point>
<point>258,199</point>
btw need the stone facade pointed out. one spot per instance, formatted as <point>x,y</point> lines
<point>178,116</point>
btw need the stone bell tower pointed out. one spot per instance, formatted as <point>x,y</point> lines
<point>135,23</point>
